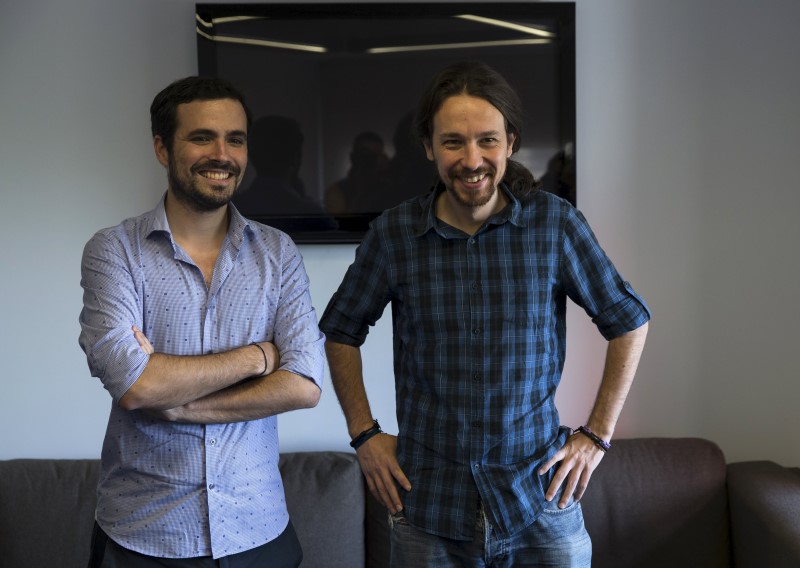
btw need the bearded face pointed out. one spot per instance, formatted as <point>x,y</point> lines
<point>208,157</point>
<point>470,148</point>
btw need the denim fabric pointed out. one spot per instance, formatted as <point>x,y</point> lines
<point>557,539</point>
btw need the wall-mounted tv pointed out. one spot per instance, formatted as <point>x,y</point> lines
<point>333,88</point>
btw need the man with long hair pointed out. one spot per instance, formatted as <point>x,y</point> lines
<point>478,272</point>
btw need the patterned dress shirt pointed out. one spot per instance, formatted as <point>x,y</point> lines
<point>184,490</point>
<point>479,346</point>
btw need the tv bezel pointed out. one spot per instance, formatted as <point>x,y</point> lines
<point>302,229</point>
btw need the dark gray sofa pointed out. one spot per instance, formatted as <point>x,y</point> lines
<point>653,502</point>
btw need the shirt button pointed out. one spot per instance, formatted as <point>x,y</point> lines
<point>212,441</point>
<point>476,424</point>
<point>476,467</point>
<point>476,331</point>
<point>476,377</point>
<point>211,486</point>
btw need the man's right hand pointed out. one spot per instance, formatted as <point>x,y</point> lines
<point>378,459</point>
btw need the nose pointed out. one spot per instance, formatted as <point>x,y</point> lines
<point>472,157</point>
<point>220,151</point>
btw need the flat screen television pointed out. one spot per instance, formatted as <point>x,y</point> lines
<point>333,88</point>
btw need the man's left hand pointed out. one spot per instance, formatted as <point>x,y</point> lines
<point>142,340</point>
<point>579,457</point>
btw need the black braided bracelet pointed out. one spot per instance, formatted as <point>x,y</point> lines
<point>366,435</point>
<point>598,441</point>
<point>264,353</point>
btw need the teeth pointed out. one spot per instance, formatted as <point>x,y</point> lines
<point>216,175</point>
<point>474,179</point>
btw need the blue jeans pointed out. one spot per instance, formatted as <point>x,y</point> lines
<point>558,538</point>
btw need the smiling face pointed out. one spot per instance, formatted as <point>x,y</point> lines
<point>209,153</point>
<point>470,147</point>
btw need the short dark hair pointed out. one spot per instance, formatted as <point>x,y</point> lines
<point>163,110</point>
<point>476,79</point>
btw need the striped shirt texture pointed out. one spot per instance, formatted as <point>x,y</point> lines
<point>479,346</point>
<point>185,490</point>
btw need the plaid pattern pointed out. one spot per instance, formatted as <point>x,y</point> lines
<point>479,346</point>
<point>180,490</point>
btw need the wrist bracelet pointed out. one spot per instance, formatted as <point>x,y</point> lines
<point>366,435</point>
<point>598,441</point>
<point>264,353</point>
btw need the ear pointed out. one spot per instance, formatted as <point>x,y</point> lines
<point>511,139</point>
<point>162,154</point>
<point>428,150</point>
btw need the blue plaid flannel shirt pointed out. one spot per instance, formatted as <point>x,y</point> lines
<point>479,346</point>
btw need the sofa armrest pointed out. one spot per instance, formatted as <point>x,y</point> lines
<point>764,501</point>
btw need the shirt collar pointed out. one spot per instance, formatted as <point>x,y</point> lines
<point>428,221</point>
<point>237,226</point>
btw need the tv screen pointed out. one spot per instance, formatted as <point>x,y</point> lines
<point>333,88</point>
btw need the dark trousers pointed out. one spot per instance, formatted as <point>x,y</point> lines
<point>283,552</point>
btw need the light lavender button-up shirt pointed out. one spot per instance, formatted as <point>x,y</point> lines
<point>184,490</point>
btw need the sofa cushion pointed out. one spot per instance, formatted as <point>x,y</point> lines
<point>659,502</point>
<point>325,498</point>
<point>46,511</point>
<point>765,514</point>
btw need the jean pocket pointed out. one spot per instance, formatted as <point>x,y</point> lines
<point>552,507</point>
<point>397,519</point>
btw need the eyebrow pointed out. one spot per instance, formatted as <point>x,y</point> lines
<point>213,133</point>
<point>487,133</point>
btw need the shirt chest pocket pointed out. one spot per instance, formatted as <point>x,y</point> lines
<point>523,302</point>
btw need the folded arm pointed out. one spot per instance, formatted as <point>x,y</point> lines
<point>257,396</point>
<point>268,395</point>
<point>170,381</point>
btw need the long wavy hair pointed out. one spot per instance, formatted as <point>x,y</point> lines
<point>476,79</point>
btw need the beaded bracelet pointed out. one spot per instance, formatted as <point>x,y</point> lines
<point>598,441</point>
<point>366,435</point>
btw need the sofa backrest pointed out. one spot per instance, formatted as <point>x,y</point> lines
<point>764,500</point>
<point>47,510</point>
<point>325,498</point>
<point>652,502</point>
<point>659,502</point>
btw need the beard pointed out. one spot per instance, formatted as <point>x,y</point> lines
<point>467,198</point>
<point>187,189</point>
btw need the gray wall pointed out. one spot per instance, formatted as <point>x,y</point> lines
<point>687,135</point>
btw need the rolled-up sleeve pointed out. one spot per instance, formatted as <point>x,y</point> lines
<point>297,335</point>
<point>362,296</point>
<point>592,282</point>
<point>110,308</point>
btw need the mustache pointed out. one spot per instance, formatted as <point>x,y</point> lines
<point>228,167</point>
<point>461,171</point>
